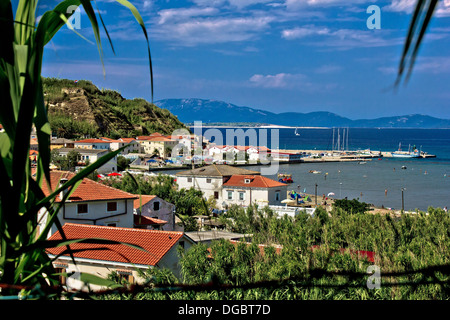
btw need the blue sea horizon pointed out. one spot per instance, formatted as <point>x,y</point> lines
<point>425,182</point>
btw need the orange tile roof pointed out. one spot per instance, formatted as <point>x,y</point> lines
<point>91,141</point>
<point>155,137</point>
<point>145,200</point>
<point>256,181</point>
<point>147,221</point>
<point>88,190</point>
<point>155,243</point>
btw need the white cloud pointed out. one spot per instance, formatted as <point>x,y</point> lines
<point>326,69</point>
<point>181,14</point>
<point>341,38</point>
<point>215,29</point>
<point>301,32</point>
<point>401,6</point>
<point>234,3</point>
<point>280,80</point>
<point>407,6</point>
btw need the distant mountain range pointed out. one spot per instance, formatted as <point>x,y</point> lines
<point>213,111</point>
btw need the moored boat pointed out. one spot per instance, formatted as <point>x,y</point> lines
<point>285,178</point>
<point>414,153</point>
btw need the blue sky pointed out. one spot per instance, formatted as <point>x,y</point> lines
<point>276,55</point>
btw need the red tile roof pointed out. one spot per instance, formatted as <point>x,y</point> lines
<point>145,200</point>
<point>256,181</point>
<point>147,221</point>
<point>87,190</point>
<point>91,141</point>
<point>155,243</point>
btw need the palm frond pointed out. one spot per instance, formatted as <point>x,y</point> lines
<point>420,21</point>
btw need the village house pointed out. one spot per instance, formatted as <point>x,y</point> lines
<point>91,203</point>
<point>157,143</point>
<point>61,143</point>
<point>239,153</point>
<point>158,249</point>
<point>244,190</point>
<point>34,145</point>
<point>156,213</point>
<point>92,155</point>
<point>210,179</point>
<point>95,144</point>
<point>286,157</point>
<point>130,144</point>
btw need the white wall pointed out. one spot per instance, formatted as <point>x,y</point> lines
<point>165,212</point>
<point>260,196</point>
<point>202,184</point>
<point>97,214</point>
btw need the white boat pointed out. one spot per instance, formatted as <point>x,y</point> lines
<point>296,133</point>
<point>406,154</point>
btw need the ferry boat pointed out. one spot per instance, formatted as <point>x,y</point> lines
<point>414,153</point>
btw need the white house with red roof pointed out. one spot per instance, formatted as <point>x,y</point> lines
<point>130,144</point>
<point>91,203</point>
<point>152,212</point>
<point>97,144</point>
<point>157,249</point>
<point>91,156</point>
<point>244,190</point>
<point>157,143</point>
<point>209,179</point>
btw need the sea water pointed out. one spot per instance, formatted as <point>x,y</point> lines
<point>425,182</point>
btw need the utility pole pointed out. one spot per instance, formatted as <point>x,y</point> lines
<point>316,194</point>
<point>403,202</point>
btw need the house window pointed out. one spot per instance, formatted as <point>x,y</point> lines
<point>277,195</point>
<point>181,243</point>
<point>61,275</point>
<point>230,195</point>
<point>125,276</point>
<point>189,179</point>
<point>216,194</point>
<point>82,208</point>
<point>156,205</point>
<point>111,206</point>
<point>241,195</point>
<point>208,180</point>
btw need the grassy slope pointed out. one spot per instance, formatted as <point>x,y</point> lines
<point>81,109</point>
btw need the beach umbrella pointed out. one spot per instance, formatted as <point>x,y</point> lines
<point>114,174</point>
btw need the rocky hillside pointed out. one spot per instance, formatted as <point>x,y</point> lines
<point>78,109</point>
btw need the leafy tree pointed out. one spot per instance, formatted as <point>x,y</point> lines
<point>123,163</point>
<point>351,206</point>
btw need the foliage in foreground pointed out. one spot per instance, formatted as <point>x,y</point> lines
<point>311,264</point>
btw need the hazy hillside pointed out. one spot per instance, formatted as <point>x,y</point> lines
<point>81,109</point>
<point>212,111</point>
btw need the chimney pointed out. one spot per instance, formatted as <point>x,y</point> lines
<point>63,192</point>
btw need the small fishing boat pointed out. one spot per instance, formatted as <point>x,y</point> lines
<point>285,178</point>
<point>315,171</point>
